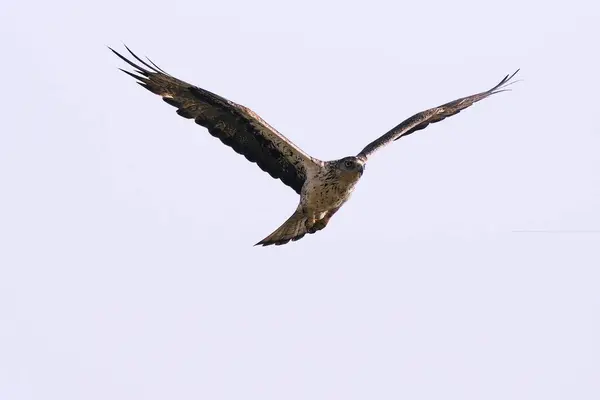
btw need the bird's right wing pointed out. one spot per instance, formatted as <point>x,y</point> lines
<point>235,125</point>
<point>421,120</point>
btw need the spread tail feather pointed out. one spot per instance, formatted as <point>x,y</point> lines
<point>293,229</point>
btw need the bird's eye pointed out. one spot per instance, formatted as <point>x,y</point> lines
<point>348,164</point>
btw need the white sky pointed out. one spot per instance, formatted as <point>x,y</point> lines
<point>127,267</point>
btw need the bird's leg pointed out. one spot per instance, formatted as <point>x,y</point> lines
<point>322,222</point>
<point>310,223</point>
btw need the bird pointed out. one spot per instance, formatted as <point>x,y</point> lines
<point>323,186</point>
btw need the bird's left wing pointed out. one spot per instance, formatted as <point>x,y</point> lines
<point>421,120</point>
<point>235,125</point>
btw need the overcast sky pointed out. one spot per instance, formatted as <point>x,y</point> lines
<point>127,269</point>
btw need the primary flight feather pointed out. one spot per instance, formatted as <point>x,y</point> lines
<point>323,186</point>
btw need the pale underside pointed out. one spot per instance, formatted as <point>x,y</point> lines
<point>323,193</point>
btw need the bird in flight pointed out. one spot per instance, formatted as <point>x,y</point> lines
<point>323,186</point>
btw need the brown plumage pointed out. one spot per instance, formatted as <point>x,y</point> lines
<point>324,186</point>
<point>423,119</point>
<point>235,125</point>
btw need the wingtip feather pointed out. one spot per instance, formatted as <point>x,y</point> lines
<point>141,78</point>
<point>142,61</point>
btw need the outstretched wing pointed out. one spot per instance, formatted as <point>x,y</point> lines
<point>421,120</point>
<point>235,125</point>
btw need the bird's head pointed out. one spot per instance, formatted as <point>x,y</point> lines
<point>351,165</point>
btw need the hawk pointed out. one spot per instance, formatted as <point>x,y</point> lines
<point>323,186</point>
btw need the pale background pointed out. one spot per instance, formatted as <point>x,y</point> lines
<point>127,267</point>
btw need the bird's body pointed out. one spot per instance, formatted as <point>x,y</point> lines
<point>326,189</point>
<point>323,186</point>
